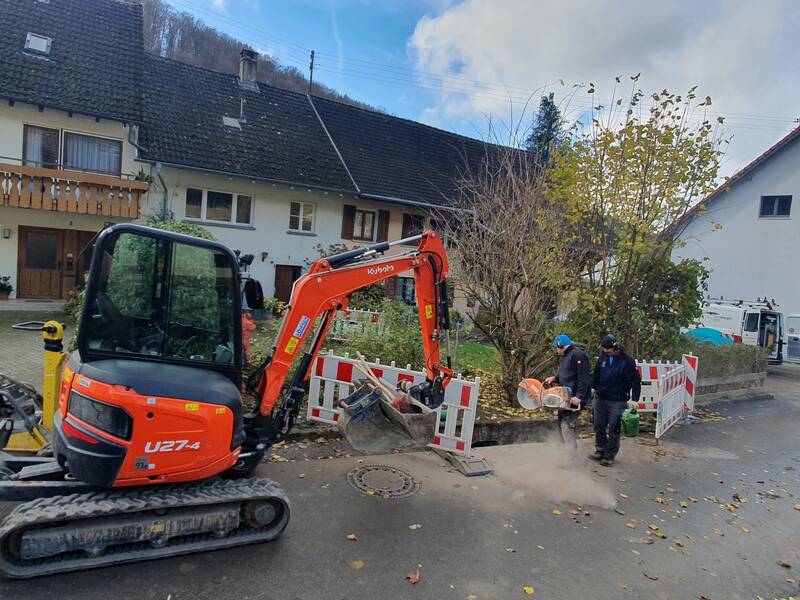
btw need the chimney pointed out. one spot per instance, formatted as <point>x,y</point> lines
<point>247,65</point>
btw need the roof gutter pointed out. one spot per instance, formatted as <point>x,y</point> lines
<point>405,202</point>
<point>251,177</point>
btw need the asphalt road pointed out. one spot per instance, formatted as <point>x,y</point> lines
<point>490,537</point>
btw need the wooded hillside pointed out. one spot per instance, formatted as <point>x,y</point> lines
<point>185,38</point>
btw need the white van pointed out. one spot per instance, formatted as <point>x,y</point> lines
<point>751,323</point>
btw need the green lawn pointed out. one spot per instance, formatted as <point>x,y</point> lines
<point>468,356</point>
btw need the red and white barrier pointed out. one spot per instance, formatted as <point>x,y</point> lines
<point>333,378</point>
<point>653,371</point>
<point>668,389</point>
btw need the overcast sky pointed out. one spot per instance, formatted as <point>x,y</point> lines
<point>453,64</point>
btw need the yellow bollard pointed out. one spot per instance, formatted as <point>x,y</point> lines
<point>54,356</point>
<point>37,436</point>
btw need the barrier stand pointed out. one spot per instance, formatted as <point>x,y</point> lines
<point>334,377</point>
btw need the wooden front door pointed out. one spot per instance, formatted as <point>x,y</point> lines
<point>285,276</point>
<point>41,260</point>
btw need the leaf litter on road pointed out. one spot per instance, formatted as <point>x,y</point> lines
<point>413,577</point>
<point>357,565</point>
<point>352,537</point>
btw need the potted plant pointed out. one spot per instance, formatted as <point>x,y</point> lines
<point>5,287</point>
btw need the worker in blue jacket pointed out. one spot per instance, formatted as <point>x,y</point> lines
<point>573,373</point>
<point>616,382</point>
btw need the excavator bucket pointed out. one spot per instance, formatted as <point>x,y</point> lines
<point>374,425</point>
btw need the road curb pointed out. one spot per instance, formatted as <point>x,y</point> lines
<point>733,396</point>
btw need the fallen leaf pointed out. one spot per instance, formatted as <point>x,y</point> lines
<point>684,504</point>
<point>731,507</point>
<point>621,495</point>
<point>745,530</point>
<point>678,543</point>
<point>660,535</point>
<point>357,565</point>
<point>693,499</point>
<point>352,537</point>
<point>791,581</point>
<point>718,532</point>
<point>528,589</point>
<point>631,525</point>
<point>797,506</point>
<point>652,527</point>
<point>645,541</point>
<point>783,564</point>
<point>540,547</point>
<point>413,577</point>
<point>574,512</point>
<point>619,511</point>
<point>301,475</point>
<point>415,526</point>
<point>661,500</point>
<point>649,576</point>
<point>670,490</point>
<point>556,512</point>
<point>510,550</point>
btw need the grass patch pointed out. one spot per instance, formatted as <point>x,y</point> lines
<point>469,357</point>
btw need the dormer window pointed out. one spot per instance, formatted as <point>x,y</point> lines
<point>38,43</point>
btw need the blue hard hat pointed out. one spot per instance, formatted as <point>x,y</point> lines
<point>561,341</point>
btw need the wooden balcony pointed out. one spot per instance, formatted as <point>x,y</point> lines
<point>57,190</point>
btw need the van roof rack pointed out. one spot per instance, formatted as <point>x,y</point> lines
<point>758,303</point>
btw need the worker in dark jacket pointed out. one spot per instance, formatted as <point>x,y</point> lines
<point>573,372</point>
<point>616,382</point>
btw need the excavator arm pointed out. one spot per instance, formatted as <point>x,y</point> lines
<point>324,289</point>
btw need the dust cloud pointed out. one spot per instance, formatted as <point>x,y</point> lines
<point>554,472</point>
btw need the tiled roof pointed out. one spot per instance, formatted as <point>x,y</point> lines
<point>392,157</point>
<point>94,65</point>
<point>280,139</point>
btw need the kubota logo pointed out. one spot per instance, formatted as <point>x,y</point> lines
<point>379,270</point>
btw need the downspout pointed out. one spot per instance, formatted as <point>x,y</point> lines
<point>166,196</point>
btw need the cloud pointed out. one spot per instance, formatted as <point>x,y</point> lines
<point>220,5</point>
<point>742,53</point>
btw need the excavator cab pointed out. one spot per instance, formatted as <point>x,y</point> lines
<point>158,296</point>
<point>152,395</point>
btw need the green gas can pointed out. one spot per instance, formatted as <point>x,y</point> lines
<point>630,422</point>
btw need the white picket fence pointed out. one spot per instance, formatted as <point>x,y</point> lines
<point>334,377</point>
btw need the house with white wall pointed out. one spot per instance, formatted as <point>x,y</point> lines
<point>270,172</point>
<point>71,104</point>
<point>748,230</point>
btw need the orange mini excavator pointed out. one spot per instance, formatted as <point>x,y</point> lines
<point>152,446</point>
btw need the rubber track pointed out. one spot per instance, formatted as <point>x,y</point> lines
<point>59,510</point>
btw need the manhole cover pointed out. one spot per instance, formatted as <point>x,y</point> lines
<point>382,480</point>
